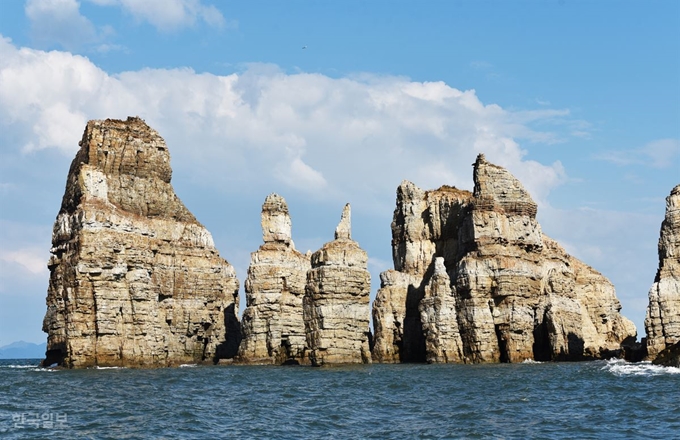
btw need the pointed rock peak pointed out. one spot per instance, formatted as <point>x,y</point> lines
<point>497,189</point>
<point>439,267</point>
<point>344,229</point>
<point>408,191</point>
<point>276,224</point>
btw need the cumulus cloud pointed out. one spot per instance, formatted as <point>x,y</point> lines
<point>347,136</point>
<point>170,15</point>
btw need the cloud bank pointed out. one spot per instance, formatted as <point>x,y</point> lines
<point>345,138</point>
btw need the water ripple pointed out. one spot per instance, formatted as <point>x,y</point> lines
<point>529,400</point>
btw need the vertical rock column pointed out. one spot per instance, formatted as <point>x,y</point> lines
<point>272,326</point>
<point>438,315</point>
<point>336,300</point>
<point>663,313</point>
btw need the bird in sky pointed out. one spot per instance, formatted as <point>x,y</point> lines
<point>304,47</point>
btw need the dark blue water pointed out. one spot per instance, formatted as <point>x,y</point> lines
<point>547,401</point>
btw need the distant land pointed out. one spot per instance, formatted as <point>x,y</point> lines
<point>23,350</point>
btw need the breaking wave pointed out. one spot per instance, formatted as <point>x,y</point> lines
<point>622,368</point>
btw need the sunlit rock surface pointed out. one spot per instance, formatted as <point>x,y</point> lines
<point>336,302</point>
<point>135,279</point>
<point>272,325</point>
<point>476,280</point>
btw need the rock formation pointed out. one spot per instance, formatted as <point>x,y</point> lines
<point>272,326</point>
<point>669,356</point>
<point>336,300</point>
<point>663,313</point>
<point>476,280</point>
<point>135,279</point>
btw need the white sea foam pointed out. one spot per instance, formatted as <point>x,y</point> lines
<point>17,366</point>
<point>188,365</point>
<point>531,361</point>
<point>622,368</point>
<point>108,368</point>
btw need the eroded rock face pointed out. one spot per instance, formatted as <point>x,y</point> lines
<point>135,279</point>
<point>336,300</point>
<point>476,280</point>
<point>663,313</point>
<point>272,325</point>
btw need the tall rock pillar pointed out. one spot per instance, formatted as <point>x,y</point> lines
<point>663,313</point>
<point>336,300</point>
<point>272,326</point>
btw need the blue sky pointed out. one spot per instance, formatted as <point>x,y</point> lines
<point>580,100</point>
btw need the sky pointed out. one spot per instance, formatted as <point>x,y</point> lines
<point>327,103</point>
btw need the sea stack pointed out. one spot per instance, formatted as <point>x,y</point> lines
<point>662,323</point>
<point>273,329</point>
<point>336,302</point>
<point>476,280</point>
<point>135,279</point>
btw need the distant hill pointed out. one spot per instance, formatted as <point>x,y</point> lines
<point>23,350</point>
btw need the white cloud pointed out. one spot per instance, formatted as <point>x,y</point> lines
<point>350,137</point>
<point>660,153</point>
<point>170,15</point>
<point>59,21</point>
<point>34,260</point>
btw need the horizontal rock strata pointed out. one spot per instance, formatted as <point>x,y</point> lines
<point>272,325</point>
<point>336,301</point>
<point>476,280</point>
<point>662,322</point>
<point>135,279</point>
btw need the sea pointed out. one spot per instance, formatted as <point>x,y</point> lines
<point>586,400</point>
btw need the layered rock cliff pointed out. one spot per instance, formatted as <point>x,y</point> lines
<point>272,325</point>
<point>662,322</point>
<point>336,311</point>
<point>135,279</point>
<point>476,280</point>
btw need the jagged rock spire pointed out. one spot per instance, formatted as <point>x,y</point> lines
<point>344,229</point>
<point>662,322</point>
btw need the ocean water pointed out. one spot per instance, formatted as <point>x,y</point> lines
<point>603,399</point>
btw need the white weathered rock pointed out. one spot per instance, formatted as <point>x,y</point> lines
<point>439,318</point>
<point>135,279</point>
<point>663,313</point>
<point>272,325</point>
<point>336,310</point>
